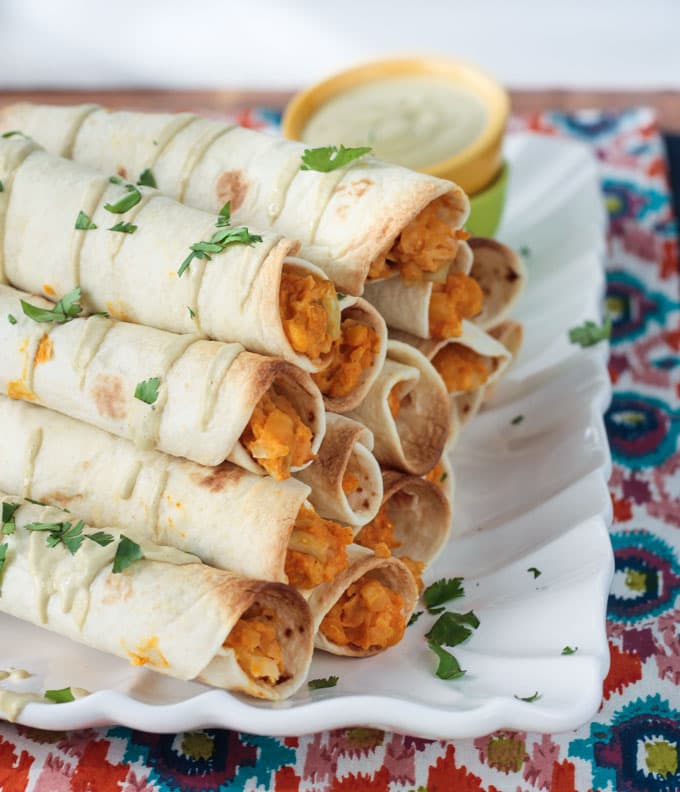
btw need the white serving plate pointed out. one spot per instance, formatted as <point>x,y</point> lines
<point>532,494</point>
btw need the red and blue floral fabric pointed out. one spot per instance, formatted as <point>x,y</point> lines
<point>633,743</point>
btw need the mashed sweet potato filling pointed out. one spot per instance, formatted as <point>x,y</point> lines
<point>317,550</point>
<point>310,313</point>
<point>350,483</point>
<point>351,355</point>
<point>369,615</point>
<point>437,475</point>
<point>461,368</point>
<point>256,645</point>
<point>459,298</point>
<point>276,436</point>
<point>378,535</point>
<point>428,243</point>
<point>394,402</point>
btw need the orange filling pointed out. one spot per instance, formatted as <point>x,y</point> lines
<point>428,243</point>
<point>309,313</point>
<point>44,351</point>
<point>462,369</point>
<point>378,535</point>
<point>352,354</point>
<point>276,436</point>
<point>16,389</point>
<point>394,402</point>
<point>256,645</point>
<point>369,615</point>
<point>451,302</point>
<point>317,550</point>
<point>350,483</point>
<point>437,475</point>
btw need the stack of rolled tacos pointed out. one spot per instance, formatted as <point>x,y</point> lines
<point>194,357</point>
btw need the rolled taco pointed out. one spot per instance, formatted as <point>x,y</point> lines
<point>467,364</point>
<point>345,478</point>
<point>511,334</point>
<point>368,219</point>
<point>501,275</point>
<point>231,519</point>
<point>413,523</point>
<point>165,611</point>
<point>204,400</point>
<point>144,258</point>
<point>407,410</point>
<point>366,608</point>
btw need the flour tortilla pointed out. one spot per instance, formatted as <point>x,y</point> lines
<point>389,571</point>
<point>414,441</point>
<point>230,518</point>
<point>421,513</point>
<point>405,306</point>
<point>344,219</point>
<point>234,296</point>
<point>502,275</point>
<point>167,611</point>
<point>496,359</point>
<point>207,389</point>
<point>510,333</point>
<point>346,447</point>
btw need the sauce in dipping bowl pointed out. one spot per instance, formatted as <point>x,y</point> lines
<point>442,117</point>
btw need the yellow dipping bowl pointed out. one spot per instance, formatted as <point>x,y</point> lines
<point>477,167</point>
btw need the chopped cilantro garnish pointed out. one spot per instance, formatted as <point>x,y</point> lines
<point>448,667</point>
<point>70,535</point>
<point>517,420</point>
<point>14,133</point>
<point>8,524</point>
<point>525,251</point>
<point>529,699</point>
<point>127,553</point>
<point>147,390</point>
<point>66,309</point>
<point>217,243</point>
<point>192,313</point>
<point>124,228</point>
<point>116,180</point>
<point>83,222</point>
<point>146,178</point>
<point>443,477</point>
<point>535,572</point>
<point>2,186</point>
<point>340,295</point>
<point>568,650</point>
<point>439,609</point>
<point>3,555</point>
<point>451,629</point>
<point>38,503</point>
<point>224,215</point>
<point>317,684</point>
<point>11,319</point>
<point>414,617</point>
<point>330,158</point>
<point>125,203</point>
<point>591,333</point>
<point>61,696</point>
<point>442,591</point>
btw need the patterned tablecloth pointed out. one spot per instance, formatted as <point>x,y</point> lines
<point>633,743</point>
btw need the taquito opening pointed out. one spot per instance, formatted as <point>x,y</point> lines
<point>277,436</point>
<point>380,535</point>
<point>459,297</point>
<point>369,616</point>
<point>461,368</point>
<point>310,313</point>
<point>256,645</point>
<point>359,481</point>
<point>317,550</point>
<point>352,354</point>
<point>427,245</point>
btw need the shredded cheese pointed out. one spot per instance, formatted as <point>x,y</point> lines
<point>44,351</point>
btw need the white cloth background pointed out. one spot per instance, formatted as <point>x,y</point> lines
<point>285,44</point>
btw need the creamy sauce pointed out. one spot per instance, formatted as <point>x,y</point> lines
<point>14,674</point>
<point>411,121</point>
<point>217,371</point>
<point>12,703</point>
<point>32,448</point>
<point>93,333</point>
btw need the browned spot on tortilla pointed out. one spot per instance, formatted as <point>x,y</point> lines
<point>109,397</point>
<point>218,477</point>
<point>341,211</point>
<point>60,498</point>
<point>232,186</point>
<point>511,276</point>
<point>339,188</point>
<point>116,588</point>
<point>359,186</point>
<point>288,632</point>
<point>122,172</point>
